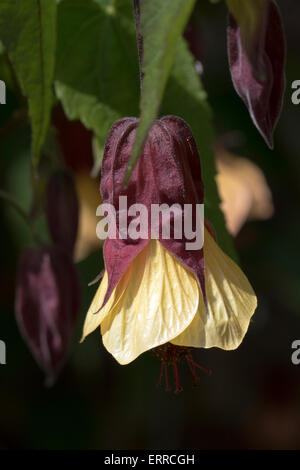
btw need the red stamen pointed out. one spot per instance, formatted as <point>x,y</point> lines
<point>172,355</point>
<point>162,366</point>
<point>194,364</point>
<point>178,385</point>
<point>193,372</point>
<point>168,389</point>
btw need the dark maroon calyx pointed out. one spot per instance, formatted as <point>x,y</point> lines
<point>167,172</point>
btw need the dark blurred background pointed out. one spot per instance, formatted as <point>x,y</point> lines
<point>252,398</point>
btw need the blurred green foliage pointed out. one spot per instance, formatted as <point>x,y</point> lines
<point>28,33</point>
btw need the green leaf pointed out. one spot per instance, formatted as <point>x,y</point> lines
<point>97,62</point>
<point>186,98</point>
<point>161,25</point>
<point>28,32</point>
<point>97,82</point>
<point>98,151</point>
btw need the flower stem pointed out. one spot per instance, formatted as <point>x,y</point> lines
<point>19,209</point>
<point>139,38</point>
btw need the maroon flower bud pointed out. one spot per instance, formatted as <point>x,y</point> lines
<point>167,172</point>
<point>261,82</point>
<point>62,210</point>
<point>47,303</point>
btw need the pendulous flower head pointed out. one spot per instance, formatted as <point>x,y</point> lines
<point>156,291</point>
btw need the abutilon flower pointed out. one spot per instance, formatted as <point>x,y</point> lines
<point>243,190</point>
<point>156,293</point>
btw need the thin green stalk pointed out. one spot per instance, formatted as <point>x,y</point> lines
<point>19,209</point>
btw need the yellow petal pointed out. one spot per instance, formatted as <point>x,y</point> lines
<point>93,319</point>
<point>89,199</point>
<point>231,304</point>
<point>243,189</point>
<point>160,300</point>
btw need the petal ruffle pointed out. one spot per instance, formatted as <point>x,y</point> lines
<point>95,316</point>
<point>159,302</point>
<point>231,304</point>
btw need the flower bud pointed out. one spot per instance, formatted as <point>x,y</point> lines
<point>257,51</point>
<point>47,304</point>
